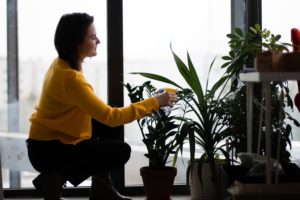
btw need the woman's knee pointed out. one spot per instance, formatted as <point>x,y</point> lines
<point>125,151</point>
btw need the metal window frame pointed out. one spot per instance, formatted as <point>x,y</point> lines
<point>13,79</point>
<point>244,13</point>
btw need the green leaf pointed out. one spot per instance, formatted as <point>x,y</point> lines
<point>183,69</point>
<point>253,30</point>
<point>239,32</point>
<point>192,144</point>
<point>226,58</point>
<point>257,27</point>
<point>231,36</point>
<point>277,37</point>
<point>157,78</point>
<point>195,82</point>
<point>217,85</point>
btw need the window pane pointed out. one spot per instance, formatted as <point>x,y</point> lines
<point>282,24</point>
<point>3,71</point>
<point>37,21</point>
<point>199,27</point>
<point>3,77</point>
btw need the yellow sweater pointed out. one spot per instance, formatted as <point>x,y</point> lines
<point>68,102</point>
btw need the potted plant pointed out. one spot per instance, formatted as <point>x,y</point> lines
<point>244,49</point>
<point>246,46</point>
<point>162,136</point>
<point>203,129</point>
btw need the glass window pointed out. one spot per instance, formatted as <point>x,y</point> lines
<point>199,27</point>
<point>37,21</point>
<point>3,71</point>
<point>284,16</point>
<point>3,79</point>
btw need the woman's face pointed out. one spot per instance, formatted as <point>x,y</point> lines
<point>89,46</point>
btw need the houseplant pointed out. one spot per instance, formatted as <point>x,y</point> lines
<point>243,50</point>
<point>204,129</point>
<point>162,138</point>
<point>244,47</point>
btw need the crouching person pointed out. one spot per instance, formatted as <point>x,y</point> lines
<point>61,145</point>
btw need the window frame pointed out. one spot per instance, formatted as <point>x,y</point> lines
<point>247,10</point>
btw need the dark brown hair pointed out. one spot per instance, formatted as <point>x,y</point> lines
<point>69,35</point>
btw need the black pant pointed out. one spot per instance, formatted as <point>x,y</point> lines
<point>98,155</point>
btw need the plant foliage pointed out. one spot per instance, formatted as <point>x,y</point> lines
<point>161,130</point>
<point>244,46</point>
<point>205,129</point>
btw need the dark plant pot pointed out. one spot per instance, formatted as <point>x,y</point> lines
<point>291,62</point>
<point>158,183</point>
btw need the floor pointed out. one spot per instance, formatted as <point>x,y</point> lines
<point>134,198</point>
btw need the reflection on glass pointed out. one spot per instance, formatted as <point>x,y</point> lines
<point>199,27</point>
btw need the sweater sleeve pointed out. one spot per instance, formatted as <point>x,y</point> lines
<point>82,95</point>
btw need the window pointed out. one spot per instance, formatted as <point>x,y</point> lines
<point>3,74</point>
<point>149,29</point>
<point>199,27</point>
<point>287,17</point>
<point>37,21</point>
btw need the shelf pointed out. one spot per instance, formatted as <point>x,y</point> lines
<point>265,78</point>
<point>269,76</point>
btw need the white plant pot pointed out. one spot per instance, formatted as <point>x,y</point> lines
<point>208,190</point>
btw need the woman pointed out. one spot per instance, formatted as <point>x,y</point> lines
<point>60,143</point>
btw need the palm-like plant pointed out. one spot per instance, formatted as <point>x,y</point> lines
<point>205,128</point>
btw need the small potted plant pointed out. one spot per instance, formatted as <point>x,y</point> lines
<point>257,48</point>
<point>161,131</point>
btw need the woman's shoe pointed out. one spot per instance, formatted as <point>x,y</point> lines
<point>103,189</point>
<point>50,186</point>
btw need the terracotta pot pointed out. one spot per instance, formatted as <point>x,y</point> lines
<point>158,183</point>
<point>269,61</point>
<point>276,61</point>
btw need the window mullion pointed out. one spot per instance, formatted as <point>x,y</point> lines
<point>12,78</point>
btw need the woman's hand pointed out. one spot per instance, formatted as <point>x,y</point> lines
<point>166,99</point>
